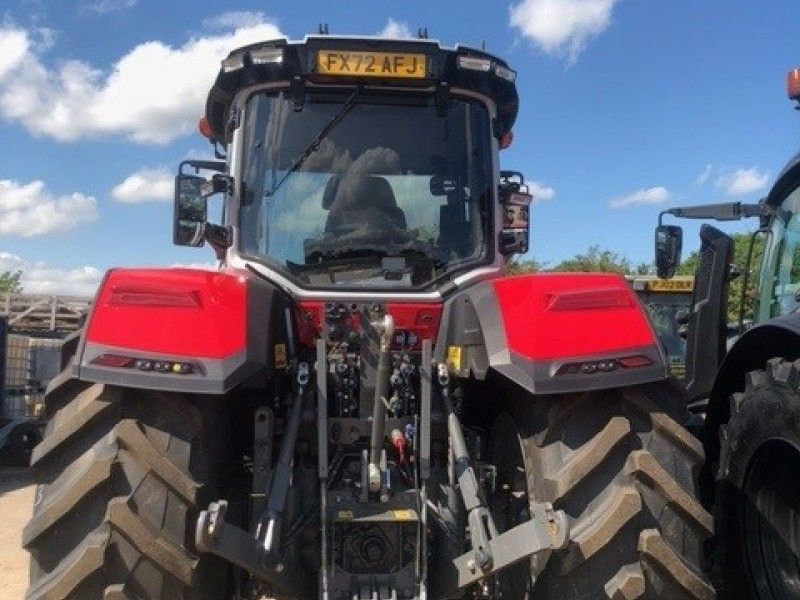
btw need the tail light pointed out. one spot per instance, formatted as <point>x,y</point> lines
<point>793,85</point>
<point>605,365</point>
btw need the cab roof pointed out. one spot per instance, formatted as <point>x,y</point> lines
<point>295,62</point>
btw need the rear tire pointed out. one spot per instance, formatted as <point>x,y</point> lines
<point>122,476</point>
<point>623,469</point>
<point>758,499</point>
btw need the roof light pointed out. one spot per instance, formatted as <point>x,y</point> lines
<point>506,140</point>
<point>204,127</point>
<point>267,56</point>
<point>474,64</point>
<point>505,73</point>
<point>793,84</point>
<point>233,63</point>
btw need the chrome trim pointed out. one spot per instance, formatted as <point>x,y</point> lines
<point>301,293</point>
<point>478,275</point>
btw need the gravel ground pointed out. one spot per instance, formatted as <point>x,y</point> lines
<point>16,501</point>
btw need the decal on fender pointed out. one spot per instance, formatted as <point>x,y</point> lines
<point>454,357</point>
<point>280,356</point>
<point>403,515</point>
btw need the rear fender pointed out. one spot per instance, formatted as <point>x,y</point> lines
<point>536,330</point>
<point>221,327</point>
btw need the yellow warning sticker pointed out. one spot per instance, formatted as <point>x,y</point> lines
<point>280,356</point>
<point>454,357</point>
<point>345,515</point>
<point>403,515</point>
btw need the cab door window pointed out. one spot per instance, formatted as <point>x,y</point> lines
<point>786,288</point>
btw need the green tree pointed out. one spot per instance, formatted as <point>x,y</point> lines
<point>742,243</point>
<point>10,282</point>
<point>596,259</point>
<point>518,267</point>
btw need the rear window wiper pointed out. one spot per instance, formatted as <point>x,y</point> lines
<point>314,145</point>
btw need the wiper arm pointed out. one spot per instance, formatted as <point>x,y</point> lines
<point>314,145</point>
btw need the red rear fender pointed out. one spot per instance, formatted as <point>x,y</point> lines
<point>183,329</point>
<point>558,315</point>
<point>181,312</point>
<point>552,333</point>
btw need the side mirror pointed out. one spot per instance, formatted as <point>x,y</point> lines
<point>516,203</point>
<point>191,210</point>
<point>669,241</point>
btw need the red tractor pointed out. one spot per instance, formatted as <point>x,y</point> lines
<point>358,404</point>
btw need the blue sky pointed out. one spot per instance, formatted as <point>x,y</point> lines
<point>627,106</point>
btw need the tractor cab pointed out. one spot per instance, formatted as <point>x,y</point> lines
<point>355,169</point>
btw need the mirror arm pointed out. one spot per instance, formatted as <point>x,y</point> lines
<point>756,210</point>
<point>197,165</point>
<point>733,211</point>
<point>219,237</point>
<point>219,151</point>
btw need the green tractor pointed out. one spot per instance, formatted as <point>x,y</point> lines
<point>751,386</point>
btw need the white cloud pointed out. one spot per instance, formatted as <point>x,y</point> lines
<point>40,278</point>
<point>14,44</point>
<point>29,209</point>
<point>152,94</point>
<point>234,19</point>
<point>561,27</point>
<point>541,191</point>
<point>395,29</point>
<point>145,185</point>
<point>102,7</point>
<point>704,175</point>
<point>641,197</point>
<point>743,181</point>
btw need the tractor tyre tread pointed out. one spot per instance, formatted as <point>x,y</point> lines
<point>122,475</point>
<point>623,468</point>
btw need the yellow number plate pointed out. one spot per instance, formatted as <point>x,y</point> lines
<point>670,285</point>
<point>371,64</point>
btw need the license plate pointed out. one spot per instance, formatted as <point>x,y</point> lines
<point>670,285</point>
<point>371,64</point>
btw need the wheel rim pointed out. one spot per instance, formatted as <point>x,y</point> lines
<point>772,522</point>
<point>509,504</point>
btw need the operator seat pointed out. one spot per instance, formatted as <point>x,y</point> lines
<point>364,206</point>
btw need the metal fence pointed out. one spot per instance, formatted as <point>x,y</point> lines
<point>37,313</point>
